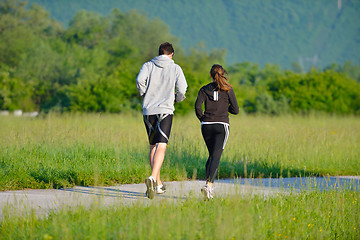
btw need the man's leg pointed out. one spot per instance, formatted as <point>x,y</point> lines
<point>158,159</point>
<point>152,152</point>
<point>161,131</point>
<point>151,155</point>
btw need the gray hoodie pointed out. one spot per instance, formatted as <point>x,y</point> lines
<point>161,82</point>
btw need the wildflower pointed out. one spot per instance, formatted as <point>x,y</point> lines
<point>309,225</point>
<point>294,219</point>
<point>279,234</point>
<point>47,236</point>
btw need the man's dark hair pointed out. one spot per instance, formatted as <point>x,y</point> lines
<point>166,48</point>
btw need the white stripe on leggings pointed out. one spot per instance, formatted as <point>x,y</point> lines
<point>226,134</point>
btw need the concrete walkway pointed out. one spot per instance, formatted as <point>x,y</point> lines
<point>44,201</point>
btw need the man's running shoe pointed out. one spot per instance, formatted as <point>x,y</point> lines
<point>207,192</point>
<point>160,189</point>
<point>150,187</point>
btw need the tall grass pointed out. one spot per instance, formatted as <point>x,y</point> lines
<point>308,215</point>
<point>92,149</point>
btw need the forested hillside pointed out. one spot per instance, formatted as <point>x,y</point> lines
<point>91,66</point>
<point>310,33</point>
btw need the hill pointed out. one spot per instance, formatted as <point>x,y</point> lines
<point>279,32</point>
<point>91,65</point>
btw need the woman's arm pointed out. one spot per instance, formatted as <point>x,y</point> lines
<point>198,104</point>
<point>233,106</point>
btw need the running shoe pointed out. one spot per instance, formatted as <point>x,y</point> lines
<point>207,192</point>
<point>160,189</point>
<point>150,187</point>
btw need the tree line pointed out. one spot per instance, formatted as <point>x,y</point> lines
<point>313,33</point>
<point>91,66</point>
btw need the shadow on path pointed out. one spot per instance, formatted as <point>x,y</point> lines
<point>115,192</point>
<point>105,192</point>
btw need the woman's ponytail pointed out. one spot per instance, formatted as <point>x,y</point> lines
<point>217,73</point>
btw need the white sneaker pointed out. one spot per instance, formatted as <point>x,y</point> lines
<point>160,189</point>
<point>207,192</point>
<point>150,187</point>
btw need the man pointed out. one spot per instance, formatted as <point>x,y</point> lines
<point>160,82</point>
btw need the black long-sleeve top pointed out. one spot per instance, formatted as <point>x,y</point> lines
<point>218,104</point>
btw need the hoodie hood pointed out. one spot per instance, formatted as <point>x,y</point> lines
<point>162,61</point>
<point>212,91</point>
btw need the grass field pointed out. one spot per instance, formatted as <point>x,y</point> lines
<point>56,151</point>
<point>89,149</point>
<point>308,215</point>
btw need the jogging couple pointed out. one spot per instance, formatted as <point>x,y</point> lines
<point>161,82</point>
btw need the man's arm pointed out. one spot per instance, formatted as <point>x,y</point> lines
<point>141,80</point>
<point>181,85</point>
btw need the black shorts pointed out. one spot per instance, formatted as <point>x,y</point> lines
<point>158,127</point>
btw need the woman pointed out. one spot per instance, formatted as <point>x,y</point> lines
<point>219,99</point>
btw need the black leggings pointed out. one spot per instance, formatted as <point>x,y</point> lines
<point>215,136</point>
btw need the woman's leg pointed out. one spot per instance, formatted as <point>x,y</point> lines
<point>215,136</point>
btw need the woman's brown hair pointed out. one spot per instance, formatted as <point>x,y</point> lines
<point>217,73</point>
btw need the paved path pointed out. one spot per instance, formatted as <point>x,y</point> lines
<point>44,201</point>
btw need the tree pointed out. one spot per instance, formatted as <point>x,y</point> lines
<point>21,28</point>
<point>327,91</point>
<point>87,29</point>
